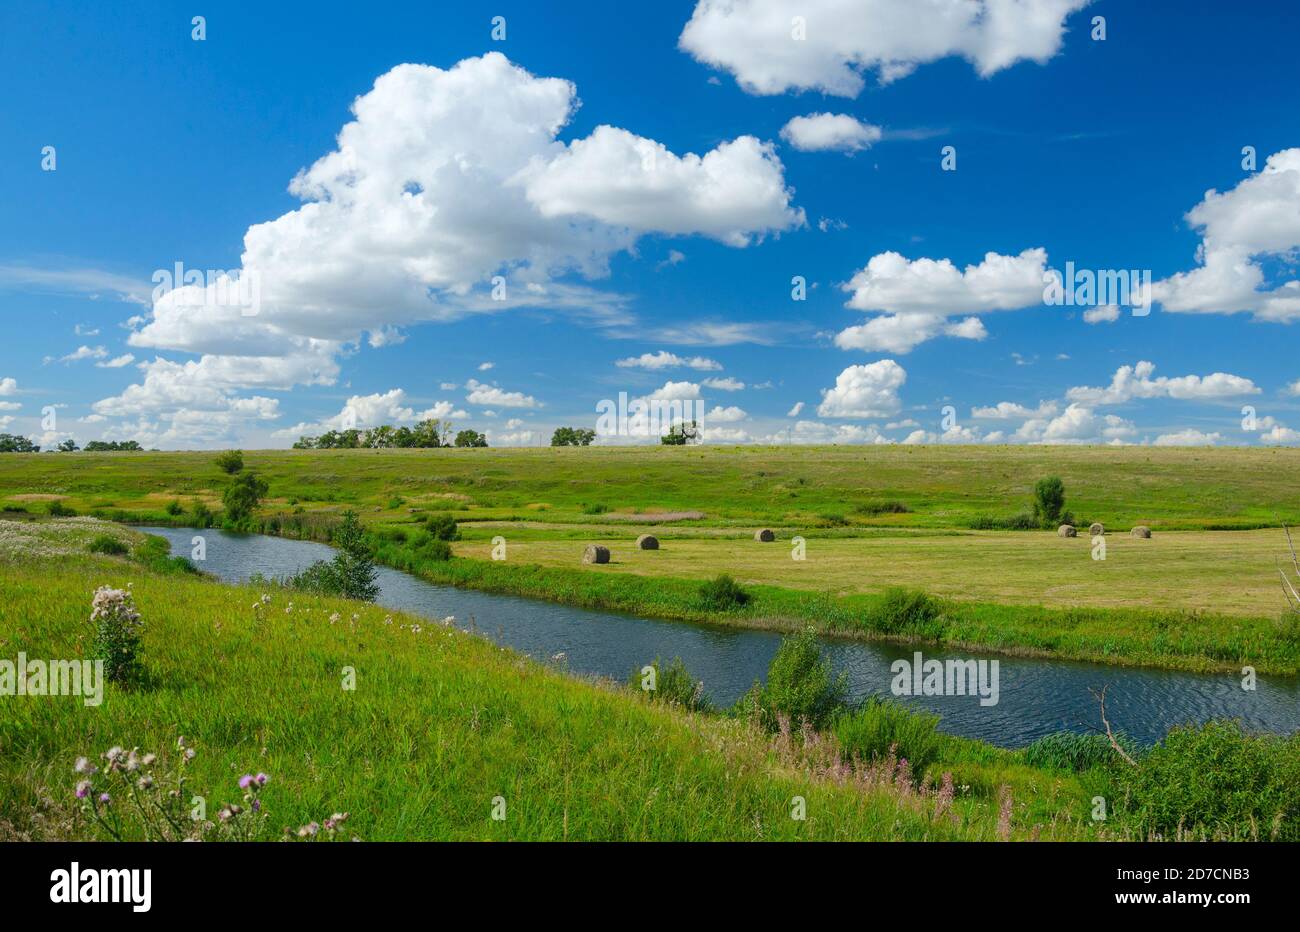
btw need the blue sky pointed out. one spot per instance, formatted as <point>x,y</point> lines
<point>374,274</point>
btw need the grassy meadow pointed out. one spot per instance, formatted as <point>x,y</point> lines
<point>1202,593</point>
<point>439,724</point>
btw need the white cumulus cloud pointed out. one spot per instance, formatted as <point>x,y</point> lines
<point>864,391</point>
<point>759,41</point>
<point>838,132</point>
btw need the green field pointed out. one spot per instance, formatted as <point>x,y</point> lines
<point>439,724</point>
<point>1202,593</point>
<point>419,730</point>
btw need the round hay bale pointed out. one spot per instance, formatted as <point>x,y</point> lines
<point>1097,529</point>
<point>764,535</point>
<point>647,542</point>
<point>595,554</point>
<point>1141,531</point>
<point>1067,530</point>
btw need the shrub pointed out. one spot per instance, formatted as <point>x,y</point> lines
<point>442,527</point>
<point>904,611</point>
<point>231,461</point>
<point>118,631</point>
<point>156,554</point>
<point>434,549</point>
<point>57,509</point>
<point>673,684</point>
<point>800,686</point>
<point>872,509</point>
<point>242,496</point>
<point>1021,522</point>
<point>1068,750</point>
<point>351,573</point>
<point>722,594</point>
<point>105,543</point>
<point>1213,781</point>
<point>1049,501</point>
<point>880,724</point>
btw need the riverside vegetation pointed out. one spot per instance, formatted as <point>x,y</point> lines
<point>443,729</point>
<point>1201,594</point>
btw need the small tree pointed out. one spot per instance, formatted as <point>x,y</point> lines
<point>572,437</point>
<point>1049,501</point>
<point>681,434</point>
<point>442,526</point>
<point>351,573</point>
<point>231,461</point>
<point>800,686</point>
<point>243,495</point>
<point>357,576</point>
<point>470,438</point>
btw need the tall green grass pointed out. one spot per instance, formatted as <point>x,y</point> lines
<point>440,724</point>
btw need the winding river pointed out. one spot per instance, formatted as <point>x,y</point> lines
<point>1036,696</point>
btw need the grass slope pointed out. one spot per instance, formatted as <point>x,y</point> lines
<point>439,724</point>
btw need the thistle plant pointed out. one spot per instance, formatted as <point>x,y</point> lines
<point>136,795</point>
<point>118,632</point>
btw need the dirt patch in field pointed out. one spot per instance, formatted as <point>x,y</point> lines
<point>658,516</point>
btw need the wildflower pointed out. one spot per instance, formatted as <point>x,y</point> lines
<point>83,789</point>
